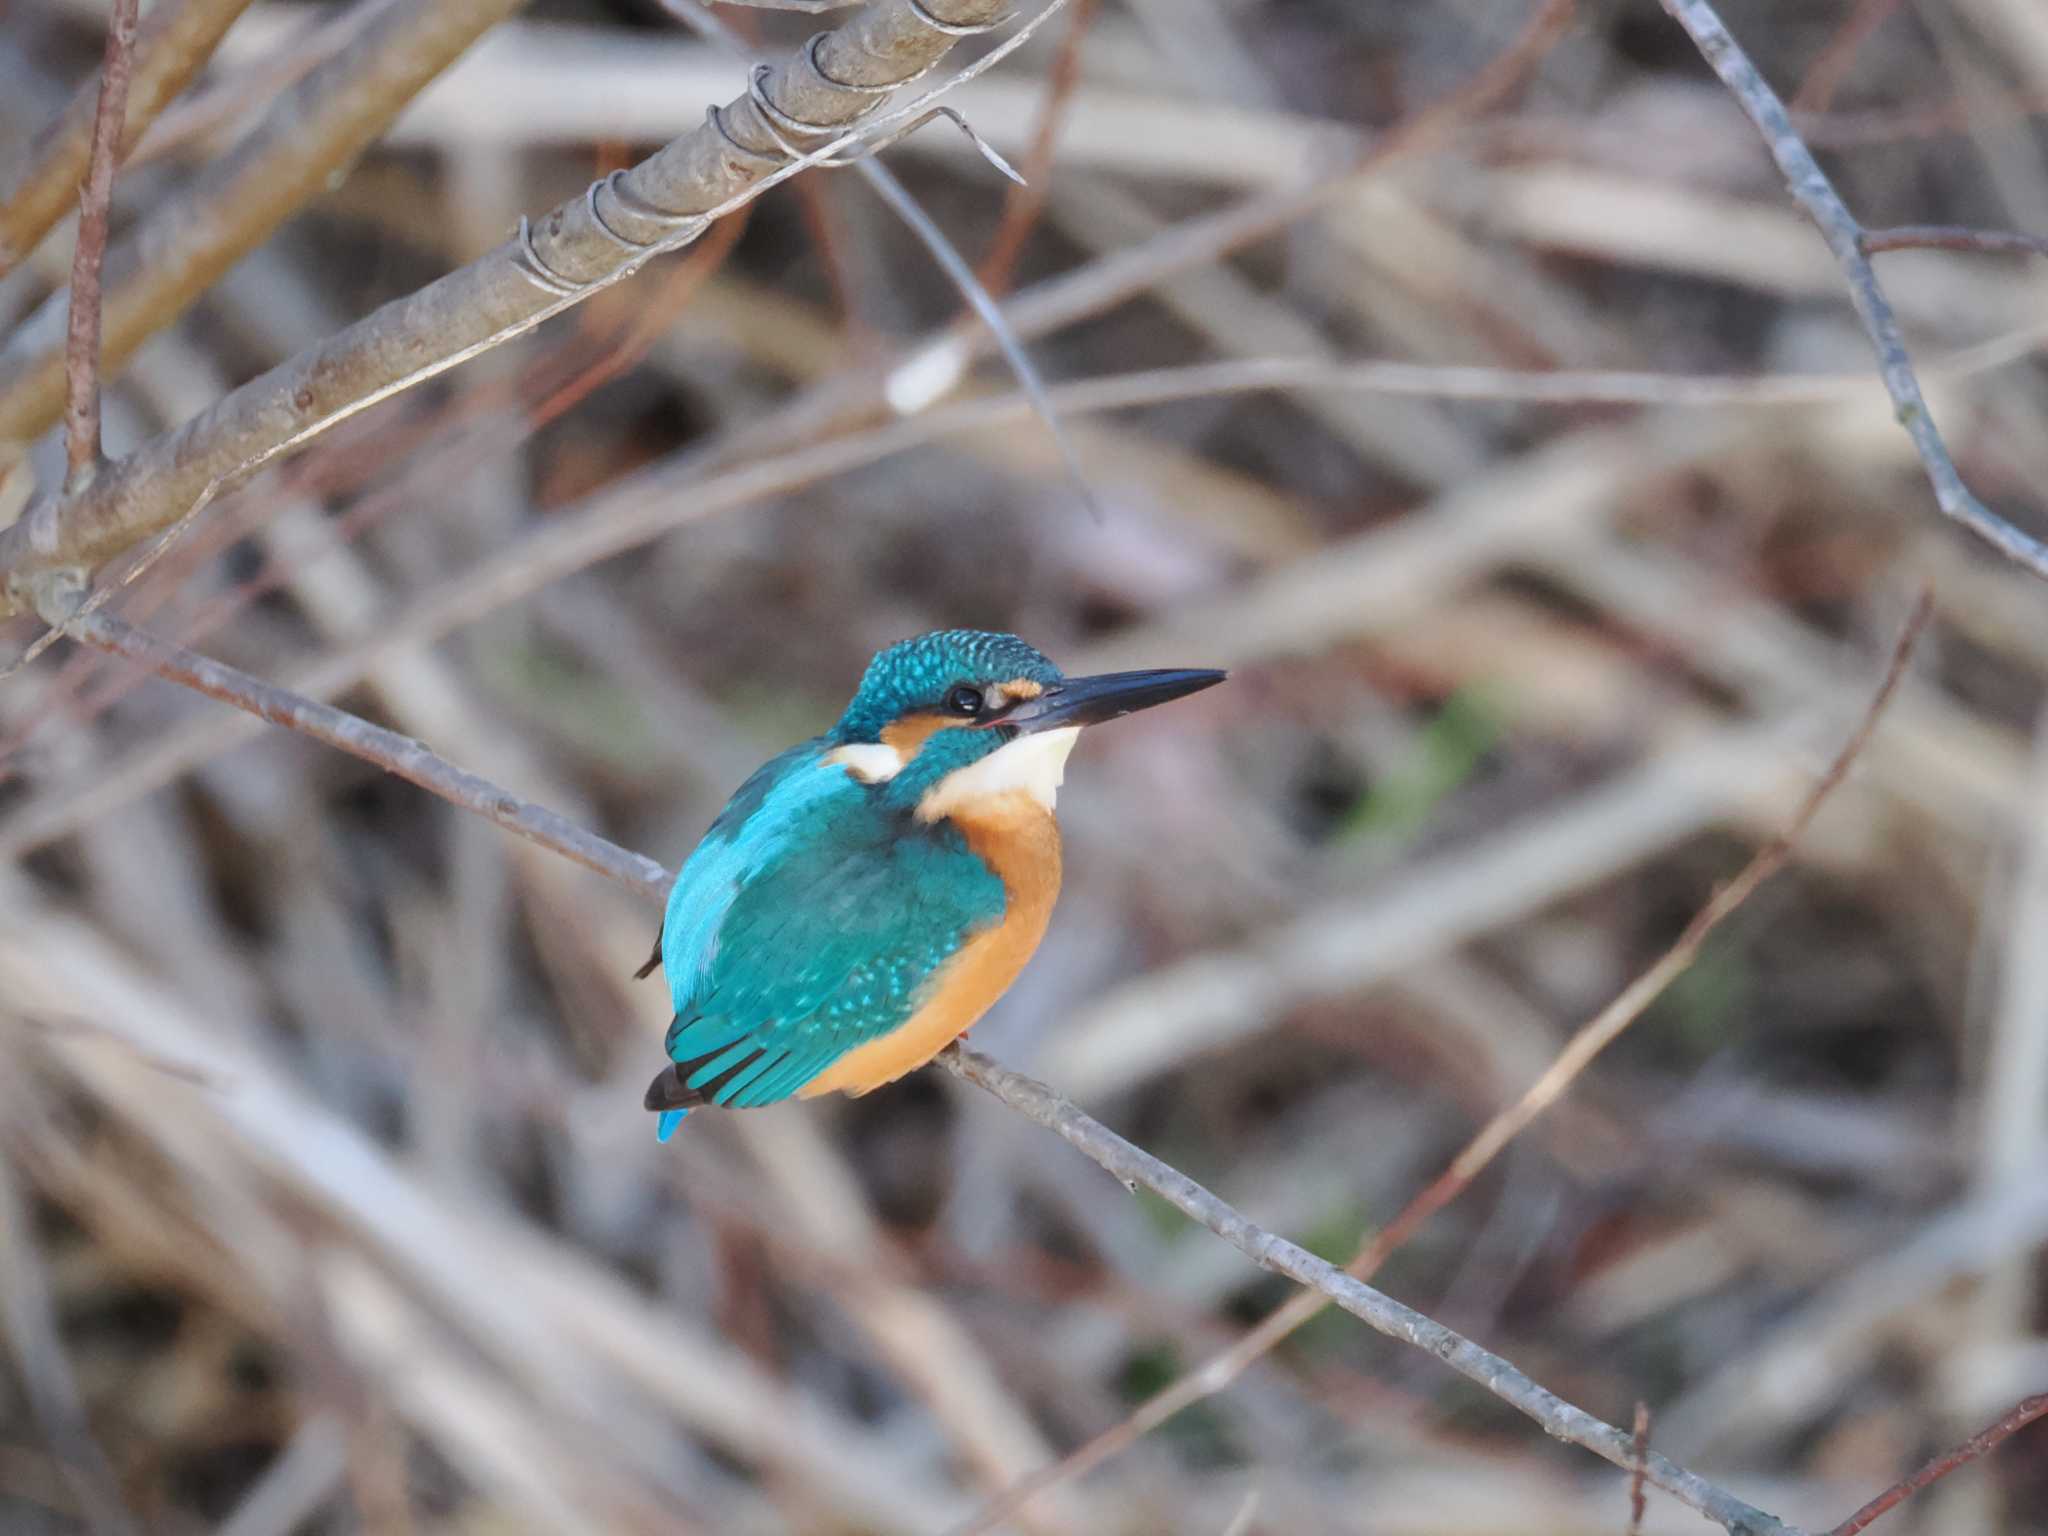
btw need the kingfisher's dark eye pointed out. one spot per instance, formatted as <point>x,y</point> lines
<point>964,701</point>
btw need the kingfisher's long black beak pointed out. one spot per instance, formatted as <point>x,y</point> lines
<point>1091,700</point>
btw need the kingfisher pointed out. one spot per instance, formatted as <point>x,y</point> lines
<point>867,895</point>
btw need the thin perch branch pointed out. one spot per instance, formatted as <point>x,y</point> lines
<point>1593,1037</point>
<point>409,759</point>
<point>698,15</point>
<point>397,754</point>
<point>95,200</point>
<point>1810,187</point>
<point>1133,1166</point>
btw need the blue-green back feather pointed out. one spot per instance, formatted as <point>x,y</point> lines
<point>807,924</point>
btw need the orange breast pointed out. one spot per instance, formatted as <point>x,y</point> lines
<point>1018,838</point>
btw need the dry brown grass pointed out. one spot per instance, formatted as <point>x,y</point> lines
<point>321,1138</point>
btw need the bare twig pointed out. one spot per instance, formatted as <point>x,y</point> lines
<point>1115,278</point>
<point>1810,187</point>
<point>1593,1037</point>
<point>890,189</point>
<point>400,755</point>
<point>1952,237</point>
<point>600,237</point>
<point>1980,1444</point>
<point>1026,203</point>
<point>409,759</point>
<point>1638,1503</point>
<point>1134,1167</point>
<point>1816,92</point>
<point>318,128</point>
<point>95,197</point>
<point>174,41</point>
<point>645,505</point>
<point>943,251</point>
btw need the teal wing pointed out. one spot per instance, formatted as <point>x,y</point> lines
<point>807,931</point>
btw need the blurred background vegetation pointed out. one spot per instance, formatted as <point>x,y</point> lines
<point>326,1200</point>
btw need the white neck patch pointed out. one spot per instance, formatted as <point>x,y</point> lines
<point>869,761</point>
<point>1033,765</point>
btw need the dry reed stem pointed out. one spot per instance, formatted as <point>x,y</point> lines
<point>29,1321</point>
<point>1585,1045</point>
<point>173,44</point>
<point>1325,1282</point>
<point>408,759</point>
<point>1824,78</point>
<point>313,131</point>
<point>837,84</point>
<point>1023,205</point>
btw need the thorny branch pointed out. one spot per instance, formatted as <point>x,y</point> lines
<point>1845,237</point>
<point>1593,1037</point>
<point>837,83</point>
<point>95,199</point>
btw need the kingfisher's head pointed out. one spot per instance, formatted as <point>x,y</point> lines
<point>960,715</point>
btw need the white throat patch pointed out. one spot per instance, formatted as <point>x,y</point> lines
<point>1032,765</point>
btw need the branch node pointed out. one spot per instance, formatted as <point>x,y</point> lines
<point>537,271</point>
<point>57,594</point>
<point>953,28</point>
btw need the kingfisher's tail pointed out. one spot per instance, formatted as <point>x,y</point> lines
<point>665,1127</point>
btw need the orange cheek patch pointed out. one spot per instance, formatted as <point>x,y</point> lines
<point>909,734</point>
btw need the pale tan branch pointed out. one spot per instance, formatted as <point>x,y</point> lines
<point>835,83</point>
<point>174,41</point>
<point>316,129</point>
